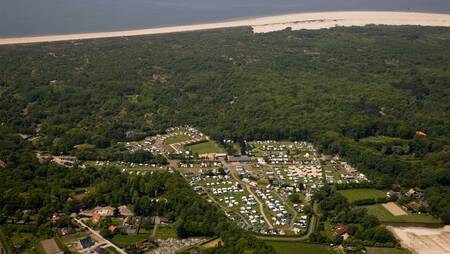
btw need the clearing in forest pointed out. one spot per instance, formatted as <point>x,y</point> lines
<point>353,195</point>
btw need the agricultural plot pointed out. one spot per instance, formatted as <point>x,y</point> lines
<point>353,195</point>
<point>298,247</point>
<point>385,216</point>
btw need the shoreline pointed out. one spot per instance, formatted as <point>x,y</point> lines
<point>297,21</point>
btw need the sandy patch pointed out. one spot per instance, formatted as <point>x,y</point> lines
<point>422,240</point>
<point>394,209</point>
<point>297,21</point>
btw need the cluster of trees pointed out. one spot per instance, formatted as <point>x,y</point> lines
<point>427,165</point>
<point>363,228</point>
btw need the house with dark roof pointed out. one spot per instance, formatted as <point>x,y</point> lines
<point>86,242</point>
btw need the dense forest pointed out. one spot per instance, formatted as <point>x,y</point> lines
<point>362,92</point>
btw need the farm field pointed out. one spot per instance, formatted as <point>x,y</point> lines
<point>385,216</point>
<point>206,147</point>
<point>360,194</point>
<point>297,247</point>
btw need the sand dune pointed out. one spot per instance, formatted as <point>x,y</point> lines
<point>316,20</point>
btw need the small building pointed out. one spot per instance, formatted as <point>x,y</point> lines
<point>86,242</point>
<point>56,217</point>
<point>50,247</point>
<point>2,164</point>
<point>97,218</point>
<point>125,212</point>
<point>421,134</point>
<point>410,192</point>
<point>112,229</point>
<point>340,229</point>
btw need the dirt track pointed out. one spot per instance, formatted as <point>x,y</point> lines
<point>394,209</point>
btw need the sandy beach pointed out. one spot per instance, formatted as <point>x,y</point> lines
<point>316,20</point>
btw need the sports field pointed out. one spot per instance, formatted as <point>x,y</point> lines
<point>297,248</point>
<point>385,216</point>
<point>176,139</point>
<point>360,194</point>
<point>206,147</point>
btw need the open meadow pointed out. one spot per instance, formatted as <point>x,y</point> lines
<point>206,147</point>
<point>298,247</point>
<point>360,194</point>
<point>385,216</point>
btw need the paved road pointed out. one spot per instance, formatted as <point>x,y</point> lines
<point>96,234</point>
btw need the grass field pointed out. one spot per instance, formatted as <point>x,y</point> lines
<point>166,232</point>
<point>376,250</point>
<point>176,139</point>
<point>125,240</point>
<point>206,147</point>
<point>359,194</point>
<point>299,248</point>
<point>385,216</point>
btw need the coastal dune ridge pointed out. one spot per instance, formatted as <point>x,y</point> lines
<point>311,21</point>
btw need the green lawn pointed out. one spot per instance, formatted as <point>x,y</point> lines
<point>125,240</point>
<point>385,216</point>
<point>206,147</point>
<point>166,232</point>
<point>376,250</point>
<point>176,139</point>
<point>359,194</point>
<point>299,248</point>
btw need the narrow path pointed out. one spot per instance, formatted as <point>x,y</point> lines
<point>155,228</point>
